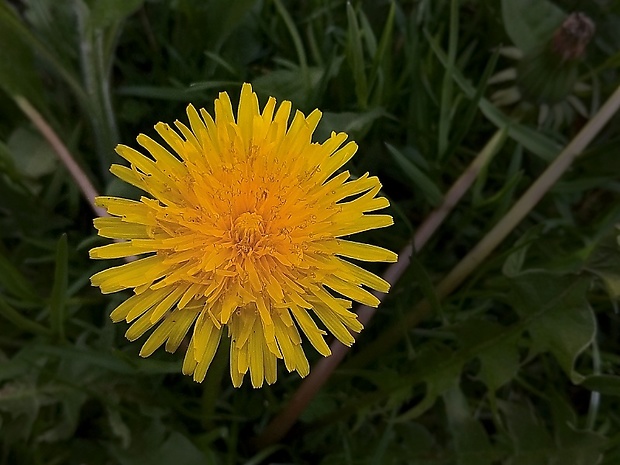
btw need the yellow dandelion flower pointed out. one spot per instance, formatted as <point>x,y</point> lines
<point>243,229</point>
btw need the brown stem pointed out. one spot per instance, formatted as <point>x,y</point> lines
<point>320,373</point>
<point>84,184</point>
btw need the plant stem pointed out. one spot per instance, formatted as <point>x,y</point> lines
<point>86,187</point>
<point>493,238</point>
<point>325,367</point>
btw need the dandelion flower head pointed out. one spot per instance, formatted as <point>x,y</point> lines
<point>242,235</point>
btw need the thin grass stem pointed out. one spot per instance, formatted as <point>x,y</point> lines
<point>494,237</point>
<point>325,367</point>
<point>86,187</point>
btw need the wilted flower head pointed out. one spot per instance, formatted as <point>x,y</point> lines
<point>242,229</point>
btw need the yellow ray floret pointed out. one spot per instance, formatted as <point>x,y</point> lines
<point>242,231</point>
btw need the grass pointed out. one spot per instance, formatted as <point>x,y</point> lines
<point>515,360</point>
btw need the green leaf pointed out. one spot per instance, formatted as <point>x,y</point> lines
<point>289,84</point>
<point>107,12</point>
<point>531,139</point>
<point>21,321</point>
<point>32,155</point>
<point>557,313</point>
<point>354,124</point>
<point>534,445</point>
<point>605,384</point>
<point>58,298</point>
<point>156,448</point>
<point>419,180</point>
<point>513,264</point>
<point>499,363</point>
<point>604,262</point>
<point>531,440</point>
<point>18,75</point>
<point>470,438</point>
<point>13,282</point>
<point>439,377</point>
<point>426,285</point>
<point>118,426</point>
<point>530,23</point>
<point>355,54</point>
<point>575,447</point>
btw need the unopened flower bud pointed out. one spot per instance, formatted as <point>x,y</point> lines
<point>571,38</point>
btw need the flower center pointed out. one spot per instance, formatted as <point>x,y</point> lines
<point>248,233</point>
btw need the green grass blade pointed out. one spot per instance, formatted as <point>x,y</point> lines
<point>356,57</point>
<point>296,38</point>
<point>58,300</point>
<point>532,140</point>
<point>447,103</point>
<point>470,113</point>
<point>21,321</point>
<point>417,177</point>
<point>14,282</point>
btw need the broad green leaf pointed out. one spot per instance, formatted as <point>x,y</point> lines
<point>531,441</point>
<point>418,179</point>
<point>32,155</point>
<point>605,384</point>
<point>471,442</point>
<point>604,261</point>
<point>439,377</point>
<point>499,363</point>
<point>535,444</point>
<point>557,313</point>
<point>575,446</point>
<point>158,449</point>
<point>530,23</point>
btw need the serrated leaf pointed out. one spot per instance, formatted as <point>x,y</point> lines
<point>500,362</point>
<point>575,446</point>
<point>439,377</point>
<point>534,444</point>
<point>559,315</point>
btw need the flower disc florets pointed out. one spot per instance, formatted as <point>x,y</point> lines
<point>242,230</point>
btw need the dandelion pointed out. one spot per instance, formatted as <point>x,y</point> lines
<point>242,229</point>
